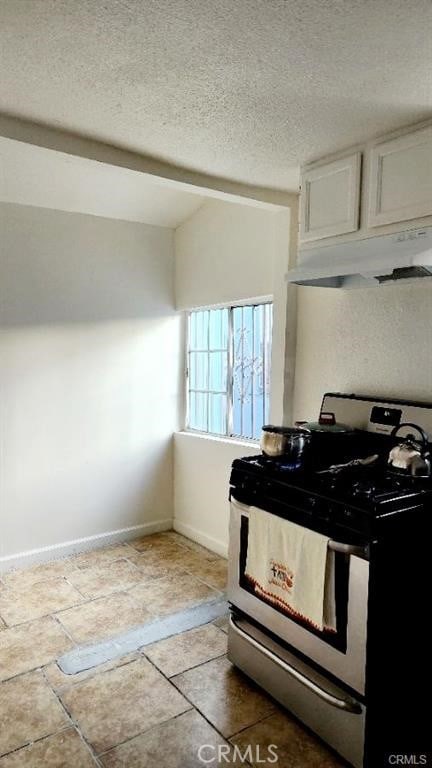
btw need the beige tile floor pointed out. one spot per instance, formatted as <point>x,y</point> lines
<point>150,709</point>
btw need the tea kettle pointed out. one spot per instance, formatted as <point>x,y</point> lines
<point>411,454</point>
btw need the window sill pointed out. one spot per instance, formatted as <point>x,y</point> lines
<point>220,439</point>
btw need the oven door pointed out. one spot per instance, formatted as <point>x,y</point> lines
<point>342,655</point>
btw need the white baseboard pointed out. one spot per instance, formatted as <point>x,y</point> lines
<point>65,548</point>
<point>215,545</point>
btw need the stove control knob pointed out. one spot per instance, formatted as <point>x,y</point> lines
<point>363,489</point>
<point>316,506</point>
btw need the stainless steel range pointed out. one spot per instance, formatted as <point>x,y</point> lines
<point>347,685</point>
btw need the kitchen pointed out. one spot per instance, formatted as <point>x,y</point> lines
<point>93,316</point>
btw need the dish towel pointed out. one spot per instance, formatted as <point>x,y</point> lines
<point>291,567</point>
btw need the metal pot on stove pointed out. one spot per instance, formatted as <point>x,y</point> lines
<point>326,424</point>
<point>289,442</point>
<point>411,453</point>
<point>330,439</point>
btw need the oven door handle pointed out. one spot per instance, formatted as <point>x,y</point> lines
<point>347,549</point>
<point>335,546</point>
<point>347,704</point>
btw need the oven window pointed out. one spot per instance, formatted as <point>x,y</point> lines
<point>339,638</point>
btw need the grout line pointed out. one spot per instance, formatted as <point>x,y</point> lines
<point>174,717</point>
<point>201,551</point>
<point>188,669</point>
<point>193,706</point>
<point>71,723</point>
<point>66,727</point>
<point>86,601</point>
<point>252,725</point>
<point>92,672</point>
<point>207,583</point>
<point>74,724</point>
<point>51,613</point>
<point>76,590</point>
<point>30,671</point>
<point>227,738</point>
<point>141,733</point>
<point>128,545</point>
<point>62,627</point>
<point>34,741</point>
<point>99,566</point>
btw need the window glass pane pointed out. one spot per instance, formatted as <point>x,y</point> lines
<point>202,329</point>
<point>198,411</point>
<point>237,313</point>
<point>198,370</point>
<point>217,414</point>
<point>192,330</point>
<point>249,366</point>
<point>224,328</point>
<point>192,371</point>
<point>192,410</point>
<point>258,349</point>
<point>258,415</point>
<point>218,372</point>
<point>242,370</point>
<point>259,409</point>
<point>267,352</point>
<point>218,328</point>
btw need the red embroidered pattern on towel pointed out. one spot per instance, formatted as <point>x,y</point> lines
<point>270,597</point>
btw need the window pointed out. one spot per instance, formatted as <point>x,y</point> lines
<point>229,370</point>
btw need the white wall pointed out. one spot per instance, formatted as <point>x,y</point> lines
<point>375,341</point>
<point>226,253</point>
<point>202,470</point>
<point>223,254</point>
<point>89,378</point>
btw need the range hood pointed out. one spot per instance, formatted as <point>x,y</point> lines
<point>381,260</point>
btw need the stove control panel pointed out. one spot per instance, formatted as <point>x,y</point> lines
<point>375,414</point>
<point>384,420</point>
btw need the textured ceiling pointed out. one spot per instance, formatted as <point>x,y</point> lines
<point>35,176</point>
<point>245,89</point>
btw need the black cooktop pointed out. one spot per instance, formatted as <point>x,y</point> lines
<point>369,485</point>
<point>356,497</point>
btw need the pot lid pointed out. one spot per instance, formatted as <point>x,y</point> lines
<point>285,430</point>
<point>316,426</point>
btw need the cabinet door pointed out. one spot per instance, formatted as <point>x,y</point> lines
<point>330,198</point>
<point>401,179</point>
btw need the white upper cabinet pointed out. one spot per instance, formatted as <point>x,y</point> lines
<point>400,179</point>
<point>330,198</point>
